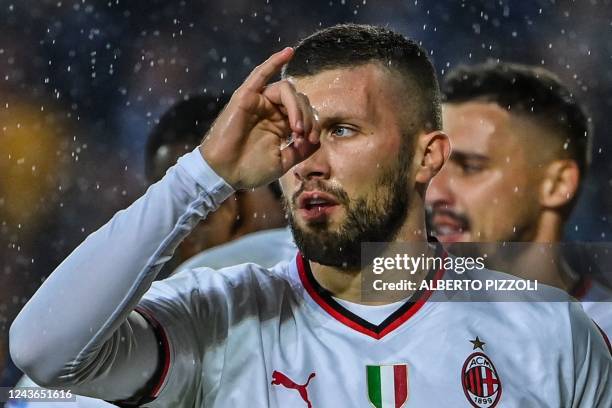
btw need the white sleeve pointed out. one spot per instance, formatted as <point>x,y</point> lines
<point>78,330</point>
<point>592,362</point>
<point>191,311</point>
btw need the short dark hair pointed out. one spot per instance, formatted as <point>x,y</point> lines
<point>526,90</point>
<point>350,45</point>
<point>185,122</point>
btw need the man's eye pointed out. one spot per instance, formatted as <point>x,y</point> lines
<point>471,168</point>
<point>342,131</point>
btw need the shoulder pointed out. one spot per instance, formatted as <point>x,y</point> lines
<point>541,311</point>
<point>206,288</point>
<point>205,278</point>
<point>265,248</point>
<point>486,285</point>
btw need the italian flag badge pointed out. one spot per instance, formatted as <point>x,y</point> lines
<point>387,385</point>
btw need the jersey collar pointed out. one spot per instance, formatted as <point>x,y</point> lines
<point>326,301</point>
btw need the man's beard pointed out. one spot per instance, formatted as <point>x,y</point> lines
<point>375,218</point>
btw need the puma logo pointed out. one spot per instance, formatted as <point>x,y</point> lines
<point>279,378</point>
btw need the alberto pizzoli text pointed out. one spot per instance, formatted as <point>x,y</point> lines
<point>458,285</point>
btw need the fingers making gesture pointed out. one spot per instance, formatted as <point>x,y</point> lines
<point>264,130</point>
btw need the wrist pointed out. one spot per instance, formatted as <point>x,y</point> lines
<point>217,165</point>
<point>204,175</point>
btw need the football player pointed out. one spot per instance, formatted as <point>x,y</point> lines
<point>521,144</point>
<point>353,130</point>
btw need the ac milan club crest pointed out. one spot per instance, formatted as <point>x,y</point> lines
<point>480,381</point>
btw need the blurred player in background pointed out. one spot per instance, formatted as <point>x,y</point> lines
<point>299,334</point>
<point>179,131</point>
<point>520,150</point>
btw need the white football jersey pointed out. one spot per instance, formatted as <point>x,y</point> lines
<point>250,336</point>
<point>595,298</point>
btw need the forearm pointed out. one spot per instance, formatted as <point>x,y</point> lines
<point>64,327</point>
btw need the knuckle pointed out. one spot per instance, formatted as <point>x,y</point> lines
<point>243,99</point>
<point>287,85</point>
<point>275,85</point>
<point>262,74</point>
<point>239,93</point>
<point>259,67</point>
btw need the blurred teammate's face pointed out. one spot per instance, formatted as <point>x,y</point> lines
<point>355,187</point>
<point>488,190</point>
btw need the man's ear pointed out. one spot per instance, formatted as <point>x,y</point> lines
<point>560,184</point>
<point>435,147</point>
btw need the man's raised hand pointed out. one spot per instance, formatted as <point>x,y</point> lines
<point>244,144</point>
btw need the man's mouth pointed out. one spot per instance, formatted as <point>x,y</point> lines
<point>316,206</point>
<point>449,226</point>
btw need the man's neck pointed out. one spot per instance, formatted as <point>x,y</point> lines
<point>555,272</point>
<point>346,284</point>
<point>544,262</point>
<point>538,256</point>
